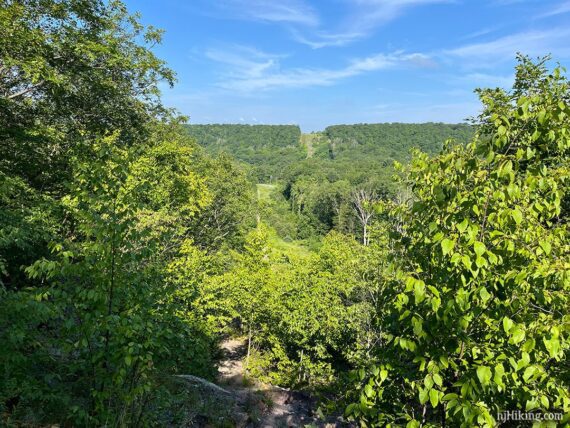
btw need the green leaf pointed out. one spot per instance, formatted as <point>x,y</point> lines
<point>484,374</point>
<point>466,261</point>
<point>517,335</point>
<point>499,373</point>
<point>479,248</point>
<point>480,262</point>
<point>450,396</point>
<point>437,379</point>
<point>428,381</point>
<point>484,294</point>
<point>434,397</point>
<point>424,397</point>
<point>517,215</point>
<point>552,346</point>
<point>531,405</point>
<point>461,227</point>
<point>546,247</point>
<point>447,246</point>
<point>507,324</point>
<point>419,291</point>
<point>528,373</point>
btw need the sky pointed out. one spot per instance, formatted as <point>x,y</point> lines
<point>317,63</point>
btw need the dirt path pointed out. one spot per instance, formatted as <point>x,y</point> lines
<point>267,406</point>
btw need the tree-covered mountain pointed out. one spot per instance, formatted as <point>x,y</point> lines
<point>318,173</point>
<point>271,149</point>
<point>391,141</point>
<point>268,148</point>
<point>129,255</point>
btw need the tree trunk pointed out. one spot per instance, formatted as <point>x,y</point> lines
<point>248,349</point>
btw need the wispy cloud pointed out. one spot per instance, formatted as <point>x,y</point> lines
<point>481,80</point>
<point>534,43</point>
<point>373,12</point>
<point>364,17</point>
<point>261,71</point>
<point>560,9</point>
<point>479,33</point>
<point>321,39</point>
<point>244,61</point>
<point>282,11</point>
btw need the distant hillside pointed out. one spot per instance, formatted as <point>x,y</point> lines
<point>391,141</point>
<point>268,148</point>
<point>355,153</point>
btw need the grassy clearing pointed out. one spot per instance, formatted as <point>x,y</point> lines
<point>264,191</point>
<point>281,246</point>
<point>291,249</point>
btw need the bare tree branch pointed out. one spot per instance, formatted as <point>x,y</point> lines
<point>363,201</point>
<point>25,90</point>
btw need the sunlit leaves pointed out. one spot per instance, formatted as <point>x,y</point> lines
<point>495,211</point>
<point>484,375</point>
<point>447,246</point>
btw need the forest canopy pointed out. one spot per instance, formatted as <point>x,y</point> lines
<point>270,149</point>
<point>413,275</point>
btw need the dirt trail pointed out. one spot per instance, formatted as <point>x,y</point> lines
<point>267,406</point>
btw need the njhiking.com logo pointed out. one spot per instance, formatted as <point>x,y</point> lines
<point>517,415</point>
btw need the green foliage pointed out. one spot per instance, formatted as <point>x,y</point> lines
<point>69,71</point>
<point>364,147</point>
<point>270,149</point>
<point>478,316</point>
<point>110,325</point>
<point>99,189</point>
<point>28,219</point>
<point>299,314</point>
<point>127,252</point>
<point>319,171</point>
<point>230,215</point>
<point>350,158</point>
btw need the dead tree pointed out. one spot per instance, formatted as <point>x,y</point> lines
<point>363,201</point>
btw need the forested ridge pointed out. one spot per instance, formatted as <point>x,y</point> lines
<point>270,148</point>
<point>413,275</point>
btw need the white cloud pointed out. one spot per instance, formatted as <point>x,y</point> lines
<point>282,11</point>
<point>261,71</point>
<point>244,61</point>
<point>479,33</point>
<point>364,17</point>
<point>560,9</point>
<point>380,11</point>
<point>322,39</point>
<point>534,43</point>
<point>359,21</point>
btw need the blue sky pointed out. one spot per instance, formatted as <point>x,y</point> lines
<point>318,63</point>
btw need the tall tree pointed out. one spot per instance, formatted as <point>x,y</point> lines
<point>363,201</point>
<point>477,320</point>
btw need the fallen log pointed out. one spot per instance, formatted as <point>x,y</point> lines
<point>205,384</point>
